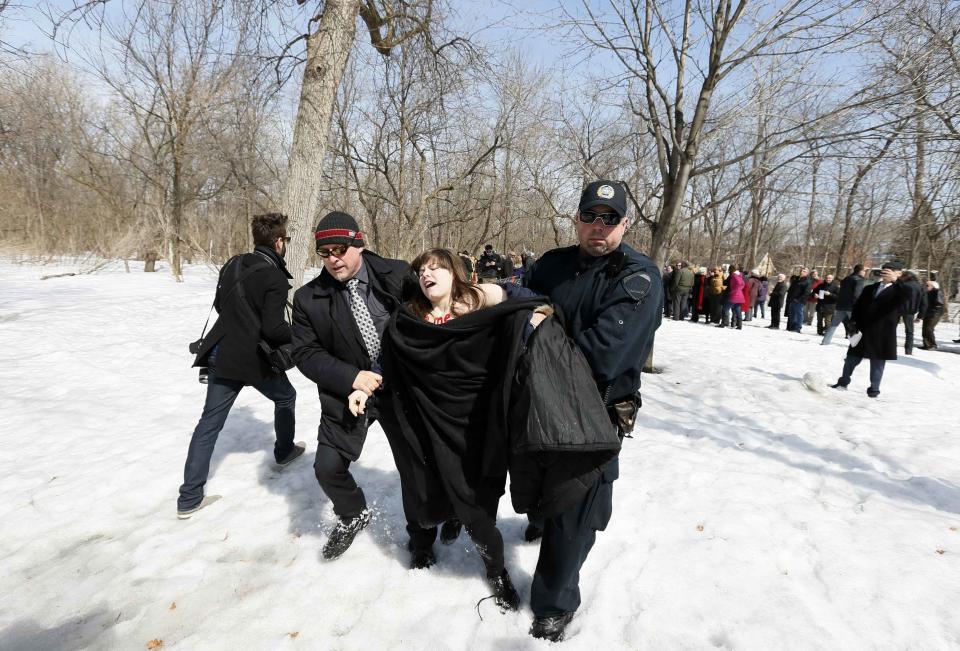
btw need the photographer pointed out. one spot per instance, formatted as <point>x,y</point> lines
<point>251,295</point>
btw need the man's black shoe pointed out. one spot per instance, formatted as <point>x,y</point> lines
<point>838,386</point>
<point>297,450</point>
<point>532,532</point>
<point>450,531</point>
<point>956,341</point>
<point>422,559</point>
<point>504,593</point>
<point>550,628</point>
<point>872,394</point>
<point>343,534</point>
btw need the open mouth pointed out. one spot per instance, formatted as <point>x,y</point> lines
<point>427,284</point>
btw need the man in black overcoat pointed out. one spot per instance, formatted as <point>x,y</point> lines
<point>233,359</point>
<point>775,301</point>
<point>338,321</point>
<point>875,316</point>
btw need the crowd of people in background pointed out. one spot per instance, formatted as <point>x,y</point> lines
<point>491,267</point>
<point>727,296</point>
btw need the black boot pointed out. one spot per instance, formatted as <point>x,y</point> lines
<point>532,532</point>
<point>503,592</point>
<point>422,558</point>
<point>450,531</point>
<point>550,628</point>
<point>343,534</point>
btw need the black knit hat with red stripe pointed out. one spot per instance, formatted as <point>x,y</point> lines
<point>338,228</point>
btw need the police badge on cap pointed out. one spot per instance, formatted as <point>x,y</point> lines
<point>605,193</point>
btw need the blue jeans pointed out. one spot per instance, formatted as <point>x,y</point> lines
<point>840,316</point>
<point>732,314</point>
<point>876,371</point>
<point>221,393</point>
<point>795,316</point>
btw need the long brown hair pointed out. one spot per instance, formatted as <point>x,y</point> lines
<point>462,293</point>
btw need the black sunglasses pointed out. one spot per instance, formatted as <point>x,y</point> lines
<point>337,250</point>
<point>608,218</point>
<point>286,239</point>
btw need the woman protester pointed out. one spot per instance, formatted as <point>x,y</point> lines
<point>454,357</point>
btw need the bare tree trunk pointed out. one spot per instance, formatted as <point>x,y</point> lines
<point>813,210</point>
<point>328,49</point>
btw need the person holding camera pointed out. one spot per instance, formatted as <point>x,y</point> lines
<point>250,300</point>
<point>874,324</point>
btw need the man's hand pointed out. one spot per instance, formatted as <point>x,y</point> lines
<point>368,382</point>
<point>357,401</point>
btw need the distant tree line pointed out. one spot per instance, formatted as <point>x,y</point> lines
<point>818,133</point>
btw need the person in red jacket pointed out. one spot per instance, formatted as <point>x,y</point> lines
<point>733,308</point>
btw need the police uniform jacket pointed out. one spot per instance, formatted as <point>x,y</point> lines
<point>611,305</point>
<point>235,333</point>
<point>328,347</point>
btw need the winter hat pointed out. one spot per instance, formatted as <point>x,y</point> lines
<point>895,265</point>
<point>604,193</point>
<point>338,228</point>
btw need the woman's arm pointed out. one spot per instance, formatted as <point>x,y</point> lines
<point>492,294</point>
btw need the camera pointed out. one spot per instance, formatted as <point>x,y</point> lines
<point>195,346</point>
<point>876,273</point>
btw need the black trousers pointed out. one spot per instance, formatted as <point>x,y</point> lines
<point>824,317</point>
<point>332,469</point>
<point>716,307</point>
<point>929,323</point>
<point>774,315</point>
<point>567,540</point>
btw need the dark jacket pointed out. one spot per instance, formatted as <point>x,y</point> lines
<point>799,289</point>
<point>490,265</point>
<point>850,290</point>
<point>560,432</point>
<point>682,281</point>
<point>328,347</point>
<point>236,336</point>
<point>506,267</point>
<point>915,293</point>
<point>612,306</point>
<point>931,304</point>
<point>877,318</point>
<point>777,294</point>
<point>829,300</point>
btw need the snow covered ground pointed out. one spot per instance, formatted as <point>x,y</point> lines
<point>751,512</point>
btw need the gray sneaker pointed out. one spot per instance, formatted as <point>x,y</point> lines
<point>206,501</point>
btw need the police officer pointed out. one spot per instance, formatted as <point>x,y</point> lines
<point>611,298</point>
